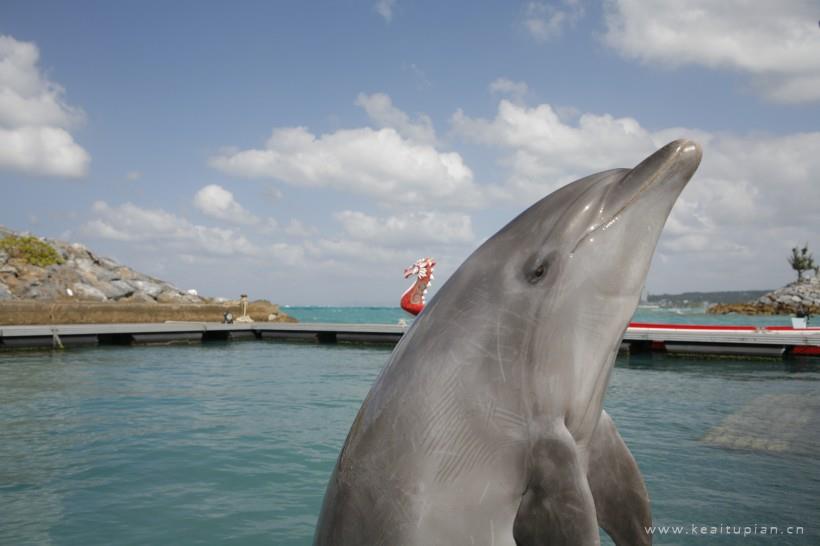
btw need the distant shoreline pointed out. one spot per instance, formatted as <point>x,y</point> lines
<point>759,309</point>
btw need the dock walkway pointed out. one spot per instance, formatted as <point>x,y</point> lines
<point>773,341</point>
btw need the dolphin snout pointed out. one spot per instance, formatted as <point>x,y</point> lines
<point>675,163</point>
<point>686,155</point>
<point>686,146</point>
<point>670,168</point>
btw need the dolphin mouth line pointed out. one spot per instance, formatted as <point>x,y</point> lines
<point>648,184</point>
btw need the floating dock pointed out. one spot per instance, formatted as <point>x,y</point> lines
<point>741,341</point>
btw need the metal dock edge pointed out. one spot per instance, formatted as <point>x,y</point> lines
<point>675,339</point>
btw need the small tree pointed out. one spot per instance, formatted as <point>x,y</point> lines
<point>801,260</point>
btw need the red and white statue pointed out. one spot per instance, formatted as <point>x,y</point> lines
<point>412,300</point>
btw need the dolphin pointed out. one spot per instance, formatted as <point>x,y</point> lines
<point>486,425</point>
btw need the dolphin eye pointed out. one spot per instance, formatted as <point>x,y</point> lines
<point>538,273</point>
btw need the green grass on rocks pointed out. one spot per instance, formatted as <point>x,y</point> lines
<point>30,249</point>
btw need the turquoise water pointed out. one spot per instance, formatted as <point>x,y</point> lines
<point>233,443</point>
<point>392,315</point>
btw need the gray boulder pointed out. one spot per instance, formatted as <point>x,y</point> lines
<point>138,297</point>
<point>83,265</point>
<point>104,274</point>
<point>38,291</point>
<point>125,273</point>
<point>805,293</point>
<point>190,298</point>
<point>5,293</point>
<point>77,248</point>
<point>171,296</point>
<point>107,263</point>
<point>89,269</point>
<point>148,288</point>
<point>115,290</point>
<point>87,292</point>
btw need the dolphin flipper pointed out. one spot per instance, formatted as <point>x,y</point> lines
<point>621,499</point>
<point>557,508</point>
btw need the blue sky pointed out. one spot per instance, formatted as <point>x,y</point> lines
<point>308,152</point>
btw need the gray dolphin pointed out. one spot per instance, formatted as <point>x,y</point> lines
<point>486,425</point>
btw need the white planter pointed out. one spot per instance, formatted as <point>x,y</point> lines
<point>798,322</point>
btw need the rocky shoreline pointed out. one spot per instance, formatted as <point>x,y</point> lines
<point>46,281</point>
<point>789,300</point>
<point>81,275</point>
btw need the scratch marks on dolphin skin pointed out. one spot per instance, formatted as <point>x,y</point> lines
<point>470,449</point>
<point>442,414</point>
<point>509,417</point>
<point>400,507</point>
<point>450,436</point>
<point>422,512</point>
<point>588,323</point>
<point>498,349</point>
<point>466,307</point>
<point>484,493</point>
<point>507,421</point>
<point>473,451</point>
<point>528,319</point>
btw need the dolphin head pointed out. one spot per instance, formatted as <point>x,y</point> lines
<point>589,245</point>
<point>568,271</point>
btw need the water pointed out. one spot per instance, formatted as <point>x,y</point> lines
<point>232,443</point>
<point>222,443</point>
<point>392,315</point>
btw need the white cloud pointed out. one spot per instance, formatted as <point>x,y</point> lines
<point>271,193</point>
<point>131,223</point>
<point>351,253</point>
<point>545,21</point>
<point>777,43</point>
<point>504,86</point>
<point>385,9</point>
<point>217,202</point>
<point>545,153</point>
<point>380,110</point>
<point>753,193</point>
<point>268,225</point>
<point>42,150</point>
<point>34,118</point>
<point>297,228</point>
<point>133,176</point>
<point>288,254</point>
<point>409,229</point>
<point>377,163</point>
<point>760,180</point>
<point>389,244</point>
